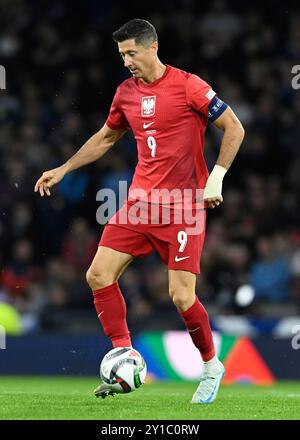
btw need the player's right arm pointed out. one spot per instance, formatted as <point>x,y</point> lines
<point>91,151</point>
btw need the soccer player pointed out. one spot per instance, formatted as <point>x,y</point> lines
<point>168,110</point>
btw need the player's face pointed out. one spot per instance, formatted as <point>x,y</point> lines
<point>138,58</point>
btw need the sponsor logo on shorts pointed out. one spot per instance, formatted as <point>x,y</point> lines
<point>180,258</point>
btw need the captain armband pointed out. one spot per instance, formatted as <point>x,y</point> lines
<point>216,108</point>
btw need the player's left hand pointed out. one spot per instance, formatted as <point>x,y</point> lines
<point>213,190</point>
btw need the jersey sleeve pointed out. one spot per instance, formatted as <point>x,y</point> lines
<point>116,119</point>
<point>199,94</point>
<point>201,97</point>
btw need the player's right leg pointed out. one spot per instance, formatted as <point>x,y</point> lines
<point>118,247</point>
<point>102,277</point>
<point>107,267</point>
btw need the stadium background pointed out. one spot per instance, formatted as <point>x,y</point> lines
<point>62,70</point>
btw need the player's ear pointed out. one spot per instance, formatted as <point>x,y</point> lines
<point>154,46</point>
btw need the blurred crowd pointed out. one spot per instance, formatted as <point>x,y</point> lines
<point>62,70</point>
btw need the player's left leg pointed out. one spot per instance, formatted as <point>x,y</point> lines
<point>182,286</point>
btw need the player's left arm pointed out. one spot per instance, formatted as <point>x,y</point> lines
<point>232,139</point>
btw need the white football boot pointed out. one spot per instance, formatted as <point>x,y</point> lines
<point>208,387</point>
<point>104,390</point>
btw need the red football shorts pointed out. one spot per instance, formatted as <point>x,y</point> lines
<point>175,235</point>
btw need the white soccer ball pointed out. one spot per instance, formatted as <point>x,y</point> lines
<point>124,369</point>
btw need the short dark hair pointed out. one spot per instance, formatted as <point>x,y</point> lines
<point>140,30</point>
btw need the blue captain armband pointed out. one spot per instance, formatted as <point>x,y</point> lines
<point>216,108</point>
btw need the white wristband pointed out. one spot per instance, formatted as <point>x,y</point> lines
<point>213,186</point>
<point>219,171</point>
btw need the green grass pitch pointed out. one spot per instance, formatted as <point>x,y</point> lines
<point>62,398</point>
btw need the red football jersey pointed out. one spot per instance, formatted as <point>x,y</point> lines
<point>168,118</point>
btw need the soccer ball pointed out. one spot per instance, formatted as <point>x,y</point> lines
<point>124,369</point>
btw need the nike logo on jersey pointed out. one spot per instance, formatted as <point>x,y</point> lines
<point>147,125</point>
<point>180,258</point>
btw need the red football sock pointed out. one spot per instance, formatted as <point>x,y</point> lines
<point>197,324</point>
<point>111,311</point>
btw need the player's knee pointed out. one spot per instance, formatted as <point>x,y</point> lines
<point>182,298</point>
<point>99,279</point>
<point>180,302</point>
<point>90,277</point>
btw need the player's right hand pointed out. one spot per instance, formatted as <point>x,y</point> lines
<point>48,179</point>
